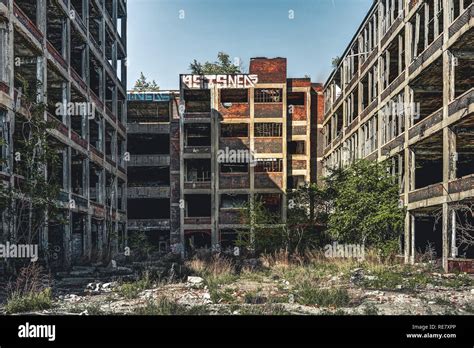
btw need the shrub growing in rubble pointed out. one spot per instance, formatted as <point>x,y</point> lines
<point>365,205</point>
<point>30,291</point>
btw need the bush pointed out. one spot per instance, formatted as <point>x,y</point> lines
<point>32,301</point>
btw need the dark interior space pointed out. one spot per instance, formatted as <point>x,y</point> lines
<point>148,176</point>
<point>149,111</point>
<point>234,95</point>
<point>427,91</point>
<point>295,98</point>
<point>197,134</point>
<point>429,161</point>
<point>428,235</point>
<point>149,208</point>
<point>149,144</point>
<point>198,205</point>
<point>197,240</point>
<point>197,100</point>
<point>234,130</point>
<point>198,170</point>
<point>465,147</point>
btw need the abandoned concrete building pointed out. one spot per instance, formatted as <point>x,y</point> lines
<point>71,51</point>
<point>403,91</point>
<point>200,153</point>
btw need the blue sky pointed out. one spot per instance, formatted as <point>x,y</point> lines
<point>161,44</point>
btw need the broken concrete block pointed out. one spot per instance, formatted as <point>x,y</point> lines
<point>195,280</point>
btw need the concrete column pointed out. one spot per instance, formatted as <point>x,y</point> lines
<point>445,240</point>
<point>215,134</point>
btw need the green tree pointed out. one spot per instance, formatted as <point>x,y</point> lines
<point>364,204</point>
<point>335,61</point>
<point>142,85</point>
<point>30,200</point>
<point>223,65</point>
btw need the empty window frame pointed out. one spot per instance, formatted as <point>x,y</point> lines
<point>234,168</point>
<point>234,95</point>
<point>234,130</point>
<point>297,147</point>
<point>269,165</point>
<point>268,130</point>
<point>232,201</point>
<point>295,98</point>
<point>198,135</point>
<point>268,95</point>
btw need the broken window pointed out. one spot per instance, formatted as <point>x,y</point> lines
<point>352,106</point>
<point>393,118</point>
<point>198,170</point>
<point>429,161</point>
<point>232,201</point>
<point>296,181</point>
<point>3,48</point>
<point>95,24</point>
<point>149,208</point>
<point>234,167</point>
<point>29,8</point>
<point>269,165</point>
<point>297,147</point>
<point>198,205</point>
<point>295,98</point>
<point>234,130</point>
<point>197,134</point>
<point>426,25</point>
<point>78,53</point>
<point>77,172</point>
<point>95,132</point>
<point>270,201</point>
<point>148,176</point>
<point>3,136</point>
<point>234,95</point>
<point>110,141</point>
<point>96,179</point>
<point>369,136</point>
<point>77,5</point>
<point>197,100</point>
<point>147,111</point>
<point>464,156</point>
<point>95,76</point>
<point>148,144</point>
<point>427,92</point>
<point>266,95</point>
<point>268,130</point>
<point>392,61</point>
<point>397,170</point>
<point>56,26</point>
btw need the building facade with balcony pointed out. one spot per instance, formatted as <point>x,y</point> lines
<point>71,53</point>
<point>212,146</point>
<point>403,92</point>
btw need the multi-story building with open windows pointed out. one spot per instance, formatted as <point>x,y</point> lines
<point>403,92</point>
<point>205,150</point>
<point>71,52</point>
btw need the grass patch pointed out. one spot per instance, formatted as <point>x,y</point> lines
<point>370,309</point>
<point>219,296</point>
<point>164,306</point>
<point>266,309</point>
<point>92,309</point>
<point>442,301</point>
<point>215,271</point>
<point>132,290</point>
<point>310,295</point>
<point>32,301</point>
